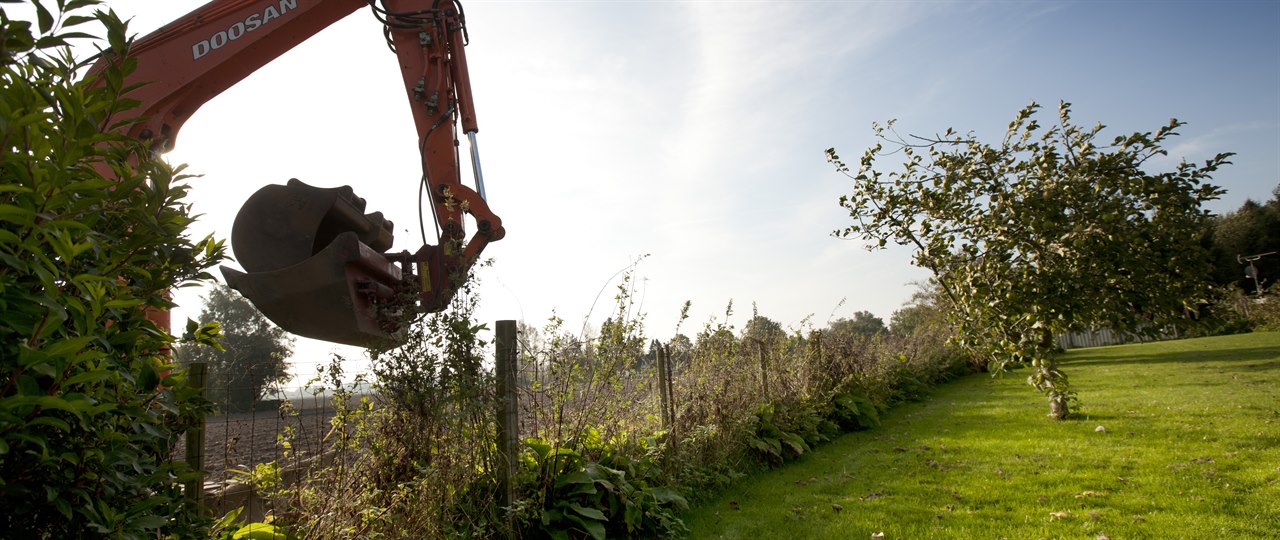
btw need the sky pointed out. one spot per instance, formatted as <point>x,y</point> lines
<point>689,136</point>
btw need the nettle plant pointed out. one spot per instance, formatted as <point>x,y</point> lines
<point>93,236</point>
<point>592,465</point>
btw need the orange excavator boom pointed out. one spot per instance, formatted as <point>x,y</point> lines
<point>314,261</point>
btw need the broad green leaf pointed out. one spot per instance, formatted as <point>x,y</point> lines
<point>592,513</point>
<point>17,215</point>
<point>44,17</point>
<point>88,377</point>
<point>576,477</point>
<point>669,496</point>
<point>258,531</point>
<point>591,527</point>
<point>68,347</point>
<point>56,423</point>
<point>150,522</point>
<point>540,448</point>
<point>148,379</point>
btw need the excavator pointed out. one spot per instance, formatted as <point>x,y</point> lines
<point>315,262</point>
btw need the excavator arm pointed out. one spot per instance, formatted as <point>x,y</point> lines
<point>315,263</point>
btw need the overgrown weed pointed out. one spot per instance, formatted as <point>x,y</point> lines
<point>599,459</point>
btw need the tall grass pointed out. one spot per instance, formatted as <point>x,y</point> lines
<point>599,460</point>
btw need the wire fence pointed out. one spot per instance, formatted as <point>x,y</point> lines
<point>693,400</point>
<point>283,426</point>
<point>287,424</point>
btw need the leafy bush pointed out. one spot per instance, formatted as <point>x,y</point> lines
<point>614,496</point>
<point>1265,314</point>
<point>416,461</point>
<point>1232,311</point>
<point>854,411</point>
<point>767,396</point>
<point>93,236</point>
<point>782,434</point>
<point>1258,313</point>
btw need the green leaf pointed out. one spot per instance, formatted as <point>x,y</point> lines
<point>148,379</point>
<point>68,347</point>
<point>576,477</point>
<point>592,513</point>
<point>150,522</point>
<point>633,517</point>
<point>795,443</point>
<point>581,489</point>
<point>73,20</point>
<point>56,315</point>
<point>49,42</point>
<point>760,445</point>
<point>73,5</point>
<point>27,386</point>
<point>540,448</point>
<point>55,423</point>
<point>669,496</point>
<point>63,507</point>
<point>227,519</point>
<point>258,531</point>
<point>593,528</point>
<point>43,16</point>
<point>550,516</point>
<point>17,215</point>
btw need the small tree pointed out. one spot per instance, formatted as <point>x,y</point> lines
<point>764,330</point>
<point>907,318</point>
<point>254,352</point>
<point>924,310</point>
<point>1044,233</point>
<point>863,323</point>
<point>680,345</point>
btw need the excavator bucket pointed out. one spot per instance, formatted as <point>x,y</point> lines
<point>281,226</point>
<point>314,265</point>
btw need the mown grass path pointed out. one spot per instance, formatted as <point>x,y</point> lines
<point>1177,439</point>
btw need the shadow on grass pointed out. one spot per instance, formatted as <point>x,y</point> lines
<point>1269,355</point>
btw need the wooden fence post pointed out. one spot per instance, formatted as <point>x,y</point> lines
<point>670,388</point>
<point>194,488</point>
<point>764,367</point>
<point>664,383</point>
<point>508,408</point>
<point>818,362</point>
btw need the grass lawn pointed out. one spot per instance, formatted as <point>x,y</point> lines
<point>1178,439</point>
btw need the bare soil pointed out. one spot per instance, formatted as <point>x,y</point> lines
<point>241,441</point>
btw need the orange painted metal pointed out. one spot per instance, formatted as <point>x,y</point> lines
<point>190,61</point>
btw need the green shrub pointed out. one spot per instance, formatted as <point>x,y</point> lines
<point>419,459</point>
<point>92,236</point>
<point>1263,312</point>
<point>614,495</point>
<point>1232,311</point>
<point>785,431</point>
